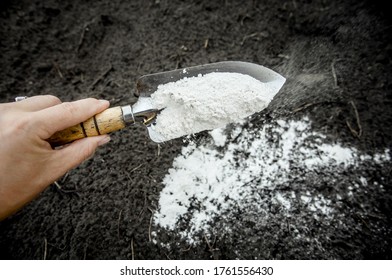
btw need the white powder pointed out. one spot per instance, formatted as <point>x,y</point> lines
<point>208,101</point>
<point>204,184</point>
<point>218,136</point>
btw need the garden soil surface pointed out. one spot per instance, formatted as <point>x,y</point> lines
<point>336,56</point>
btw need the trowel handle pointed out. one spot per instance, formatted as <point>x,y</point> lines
<point>107,121</point>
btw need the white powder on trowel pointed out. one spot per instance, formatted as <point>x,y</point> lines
<point>208,101</point>
<point>206,183</point>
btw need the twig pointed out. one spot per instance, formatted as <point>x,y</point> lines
<point>248,36</point>
<point>243,18</point>
<point>303,107</point>
<point>65,177</point>
<point>150,225</point>
<point>256,34</point>
<point>167,256</point>
<point>81,39</point>
<point>364,222</point>
<point>335,79</point>
<point>144,204</point>
<point>45,247</point>
<point>58,185</point>
<point>136,168</point>
<point>62,190</point>
<point>353,131</point>
<point>57,67</point>
<point>149,229</point>
<point>294,4</point>
<point>102,76</point>
<point>206,43</point>
<point>357,117</point>
<point>133,252</point>
<point>284,56</point>
<point>208,243</point>
<point>211,248</point>
<point>116,84</point>
<point>187,249</point>
<point>159,150</point>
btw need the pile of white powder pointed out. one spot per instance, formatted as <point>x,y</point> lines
<point>206,183</point>
<point>207,102</point>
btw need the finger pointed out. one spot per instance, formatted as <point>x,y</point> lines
<point>67,114</point>
<point>77,152</point>
<point>36,103</point>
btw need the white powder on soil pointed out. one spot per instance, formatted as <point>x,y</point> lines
<point>208,101</point>
<point>205,184</point>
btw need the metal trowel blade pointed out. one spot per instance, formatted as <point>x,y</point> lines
<point>148,84</point>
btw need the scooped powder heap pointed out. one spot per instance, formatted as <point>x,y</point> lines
<point>208,101</point>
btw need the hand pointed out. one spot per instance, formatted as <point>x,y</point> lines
<point>28,164</point>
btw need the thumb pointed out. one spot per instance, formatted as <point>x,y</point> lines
<point>71,156</point>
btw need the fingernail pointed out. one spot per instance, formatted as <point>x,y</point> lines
<point>104,102</point>
<point>104,140</point>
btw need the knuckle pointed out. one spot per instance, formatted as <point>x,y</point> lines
<point>41,128</point>
<point>52,99</point>
<point>70,108</point>
<point>22,125</point>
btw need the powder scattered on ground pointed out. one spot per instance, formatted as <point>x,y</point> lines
<point>209,101</point>
<point>206,183</point>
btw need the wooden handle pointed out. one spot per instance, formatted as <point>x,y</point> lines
<point>107,121</point>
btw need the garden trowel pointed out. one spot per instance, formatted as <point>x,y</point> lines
<point>143,110</point>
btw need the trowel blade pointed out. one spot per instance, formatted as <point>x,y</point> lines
<point>148,84</point>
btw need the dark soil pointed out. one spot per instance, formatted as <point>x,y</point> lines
<point>336,56</point>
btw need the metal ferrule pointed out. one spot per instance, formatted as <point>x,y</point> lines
<point>145,117</point>
<point>128,114</point>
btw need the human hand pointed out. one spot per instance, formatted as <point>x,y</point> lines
<point>28,164</point>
